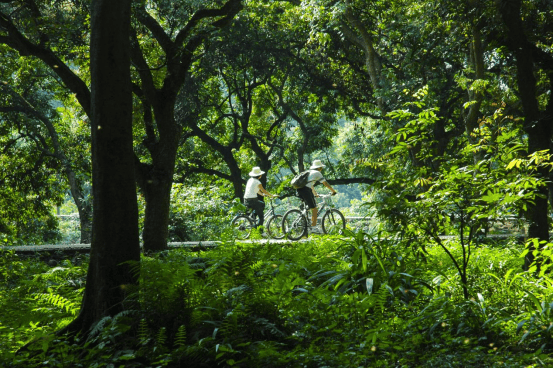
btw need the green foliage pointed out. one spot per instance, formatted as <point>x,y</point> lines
<point>198,213</point>
<point>370,301</point>
<point>36,299</point>
<point>488,181</point>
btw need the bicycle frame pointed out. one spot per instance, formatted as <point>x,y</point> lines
<point>323,205</point>
<point>271,211</point>
<point>267,213</point>
<point>300,218</point>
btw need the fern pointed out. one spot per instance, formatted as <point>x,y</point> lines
<point>59,302</point>
<point>99,326</point>
<point>161,338</point>
<point>143,332</point>
<point>382,296</point>
<point>181,337</point>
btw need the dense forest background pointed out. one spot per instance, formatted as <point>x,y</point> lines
<point>145,117</point>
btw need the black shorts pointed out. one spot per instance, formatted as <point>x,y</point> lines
<point>307,196</point>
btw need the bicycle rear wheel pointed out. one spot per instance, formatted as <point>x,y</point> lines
<point>333,222</point>
<point>294,224</point>
<point>242,227</point>
<point>274,227</point>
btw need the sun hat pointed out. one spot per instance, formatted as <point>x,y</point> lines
<point>316,165</point>
<point>256,171</point>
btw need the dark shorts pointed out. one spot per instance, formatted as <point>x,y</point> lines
<point>307,196</point>
<point>258,207</point>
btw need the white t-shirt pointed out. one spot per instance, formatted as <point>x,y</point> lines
<point>315,177</point>
<point>252,188</point>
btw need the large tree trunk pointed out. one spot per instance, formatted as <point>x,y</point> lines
<point>115,237</point>
<point>538,124</point>
<point>157,195</point>
<point>156,179</point>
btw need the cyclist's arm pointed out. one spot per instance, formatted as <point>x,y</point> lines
<point>261,189</point>
<point>333,192</point>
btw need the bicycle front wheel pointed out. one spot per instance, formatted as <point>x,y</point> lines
<point>242,227</point>
<point>333,222</point>
<point>274,227</point>
<point>294,224</point>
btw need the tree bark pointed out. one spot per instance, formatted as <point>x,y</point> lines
<point>156,179</point>
<point>538,124</point>
<point>115,237</point>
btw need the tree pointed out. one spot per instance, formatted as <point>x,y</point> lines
<point>157,87</point>
<point>468,56</point>
<point>527,36</point>
<point>29,108</point>
<point>60,28</point>
<point>115,238</point>
<point>29,179</point>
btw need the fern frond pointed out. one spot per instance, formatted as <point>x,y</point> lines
<point>161,337</point>
<point>59,302</point>
<point>99,326</point>
<point>382,296</point>
<point>181,337</point>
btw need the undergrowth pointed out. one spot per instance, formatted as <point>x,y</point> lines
<point>363,302</point>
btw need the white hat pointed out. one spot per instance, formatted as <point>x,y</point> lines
<point>316,165</point>
<point>256,171</point>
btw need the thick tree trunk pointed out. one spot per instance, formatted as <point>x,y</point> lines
<point>538,125</point>
<point>156,179</point>
<point>157,195</point>
<point>115,237</point>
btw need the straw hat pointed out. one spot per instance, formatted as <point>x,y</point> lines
<point>256,171</point>
<point>316,165</point>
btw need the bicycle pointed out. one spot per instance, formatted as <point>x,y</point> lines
<point>243,223</point>
<point>295,221</point>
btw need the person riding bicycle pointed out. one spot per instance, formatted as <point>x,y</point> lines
<point>253,187</point>
<point>308,193</point>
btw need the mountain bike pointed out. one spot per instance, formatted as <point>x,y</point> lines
<point>295,221</point>
<point>243,223</point>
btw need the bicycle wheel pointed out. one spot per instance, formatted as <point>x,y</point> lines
<point>274,227</point>
<point>333,222</point>
<point>294,224</point>
<point>242,227</point>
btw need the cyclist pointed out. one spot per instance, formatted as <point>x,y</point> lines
<point>253,187</point>
<point>308,192</point>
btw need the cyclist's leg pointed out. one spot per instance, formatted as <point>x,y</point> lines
<point>260,210</point>
<point>258,207</point>
<point>250,204</point>
<point>308,197</point>
<point>314,216</point>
